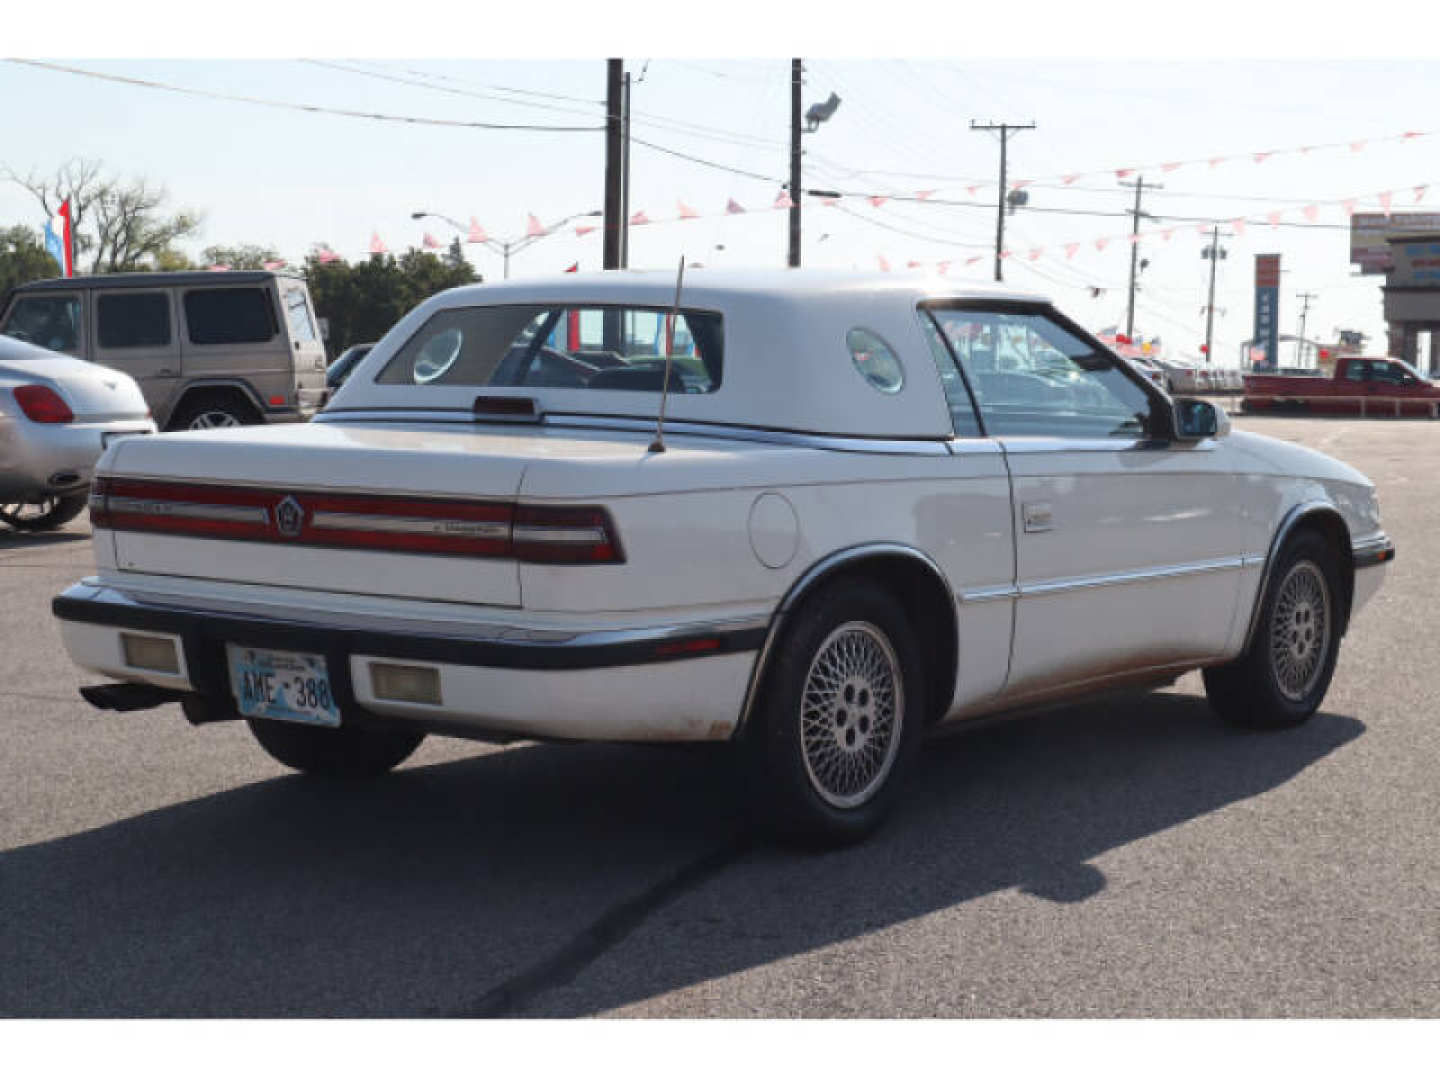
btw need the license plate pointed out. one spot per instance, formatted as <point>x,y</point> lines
<point>282,686</point>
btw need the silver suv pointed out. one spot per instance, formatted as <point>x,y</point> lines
<point>208,348</point>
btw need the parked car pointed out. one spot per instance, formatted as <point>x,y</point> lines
<point>875,508</point>
<point>344,364</point>
<point>57,414</point>
<point>1359,386</point>
<point>209,349</point>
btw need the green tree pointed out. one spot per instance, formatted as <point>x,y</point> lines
<point>23,258</point>
<point>364,299</point>
<point>239,256</point>
<point>117,224</point>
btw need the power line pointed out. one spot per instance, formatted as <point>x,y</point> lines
<point>356,114</point>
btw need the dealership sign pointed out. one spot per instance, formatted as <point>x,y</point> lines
<point>1368,246</point>
<point>1265,353</point>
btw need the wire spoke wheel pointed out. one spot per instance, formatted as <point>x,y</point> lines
<point>852,708</point>
<point>1300,629</point>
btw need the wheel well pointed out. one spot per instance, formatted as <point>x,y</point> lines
<point>1329,524</point>
<point>931,608</point>
<point>224,392</point>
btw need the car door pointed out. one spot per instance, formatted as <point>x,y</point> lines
<point>1127,543</point>
<point>134,331</point>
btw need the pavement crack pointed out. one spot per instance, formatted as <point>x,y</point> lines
<point>602,935</point>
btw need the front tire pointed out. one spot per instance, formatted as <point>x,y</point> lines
<point>1282,678</point>
<point>341,752</point>
<point>839,723</point>
<point>45,515</point>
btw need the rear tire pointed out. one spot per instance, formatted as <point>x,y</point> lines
<point>839,724</point>
<point>1282,678</point>
<point>343,752</point>
<point>205,411</point>
<point>43,516</point>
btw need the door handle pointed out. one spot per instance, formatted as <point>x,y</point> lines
<point>167,371</point>
<point>1038,517</point>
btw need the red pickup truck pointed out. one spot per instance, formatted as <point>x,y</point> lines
<point>1361,386</point>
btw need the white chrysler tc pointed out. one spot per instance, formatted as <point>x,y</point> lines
<point>877,507</point>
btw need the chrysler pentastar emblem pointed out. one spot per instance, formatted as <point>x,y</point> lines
<point>289,516</point>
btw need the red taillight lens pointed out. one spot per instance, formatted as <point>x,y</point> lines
<point>43,405</point>
<point>565,534</point>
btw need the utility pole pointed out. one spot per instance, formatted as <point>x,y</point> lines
<point>1300,344</point>
<point>1214,253</point>
<point>614,209</point>
<point>1005,130</point>
<point>1140,187</point>
<point>625,177</point>
<point>796,71</point>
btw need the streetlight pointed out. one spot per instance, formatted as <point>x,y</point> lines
<point>505,247</point>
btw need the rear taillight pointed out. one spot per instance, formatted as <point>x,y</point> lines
<point>565,534</point>
<point>574,535</point>
<point>42,405</point>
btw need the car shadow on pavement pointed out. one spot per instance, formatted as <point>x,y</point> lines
<point>452,889</point>
<point>14,540</point>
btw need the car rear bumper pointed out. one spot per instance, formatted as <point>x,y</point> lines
<point>37,460</point>
<point>682,682</point>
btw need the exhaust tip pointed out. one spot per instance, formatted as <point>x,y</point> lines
<point>66,478</point>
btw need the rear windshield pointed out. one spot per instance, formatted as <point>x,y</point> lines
<point>594,348</point>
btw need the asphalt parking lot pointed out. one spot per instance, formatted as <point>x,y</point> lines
<point>1133,858</point>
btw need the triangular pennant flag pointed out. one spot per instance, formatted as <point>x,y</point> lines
<point>1357,146</point>
<point>377,246</point>
<point>1134,238</point>
<point>913,264</point>
<point>1385,200</point>
<point>1070,179</point>
<point>1274,218</point>
<point>878,200</point>
<point>1412,134</point>
<point>1035,253</point>
<point>218,266</point>
<point>884,263</point>
<point>733,207</point>
<point>533,226</point>
<point>943,267</point>
<point>1121,174</point>
<point>783,202</point>
<point>430,241</point>
<point>1260,157</point>
<point>1238,224</point>
<point>973,260</point>
<point>1215,161</point>
<point>1167,233</point>
<point>1170,166</point>
<point>581,230</point>
<point>325,255</point>
<point>274,264</point>
<point>1018,184</point>
<point>1101,243</point>
<point>1349,205</point>
<point>1420,190</point>
<point>573,268</point>
<point>639,218</point>
<point>972,189</point>
<point>1070,250</point>
<point>1202,228</point>
<point>831,201</point>
<point>923,195</point>
<point>685,211</point>
<point>1306,149</point>
<point>1005,254</point>
<point>477,234</point>
<point>1311,212</point>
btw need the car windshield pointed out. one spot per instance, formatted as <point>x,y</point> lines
<point>582,347</point>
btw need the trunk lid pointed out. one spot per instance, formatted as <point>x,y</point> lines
<point>93,392</point>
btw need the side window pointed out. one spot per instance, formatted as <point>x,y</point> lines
<point>133,320</point>
<point>297,315</point>
<point>1355,370</point>
<point>229,316</point>
<point>52,322</point>
<point>957,395</point>
<point>1031,376</point>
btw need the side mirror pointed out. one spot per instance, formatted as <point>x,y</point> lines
<point>1197,419</point>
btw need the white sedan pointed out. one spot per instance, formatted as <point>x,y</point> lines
<point>57,415</point>
<point>875,508</point>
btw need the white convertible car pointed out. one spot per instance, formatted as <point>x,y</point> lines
<point>877,507</point>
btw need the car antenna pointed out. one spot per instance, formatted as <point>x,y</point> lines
<point>657,445</point>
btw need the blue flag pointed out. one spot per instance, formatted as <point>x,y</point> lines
<point>54,245</point>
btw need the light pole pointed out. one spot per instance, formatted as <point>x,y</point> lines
<point>506,247</point>
<point>816,115</point>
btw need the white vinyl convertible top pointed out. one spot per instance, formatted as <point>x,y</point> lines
<point>786,362</point>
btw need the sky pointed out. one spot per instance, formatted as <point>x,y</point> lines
<point>290,179</point>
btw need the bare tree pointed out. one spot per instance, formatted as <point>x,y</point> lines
<point>118,224</point>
